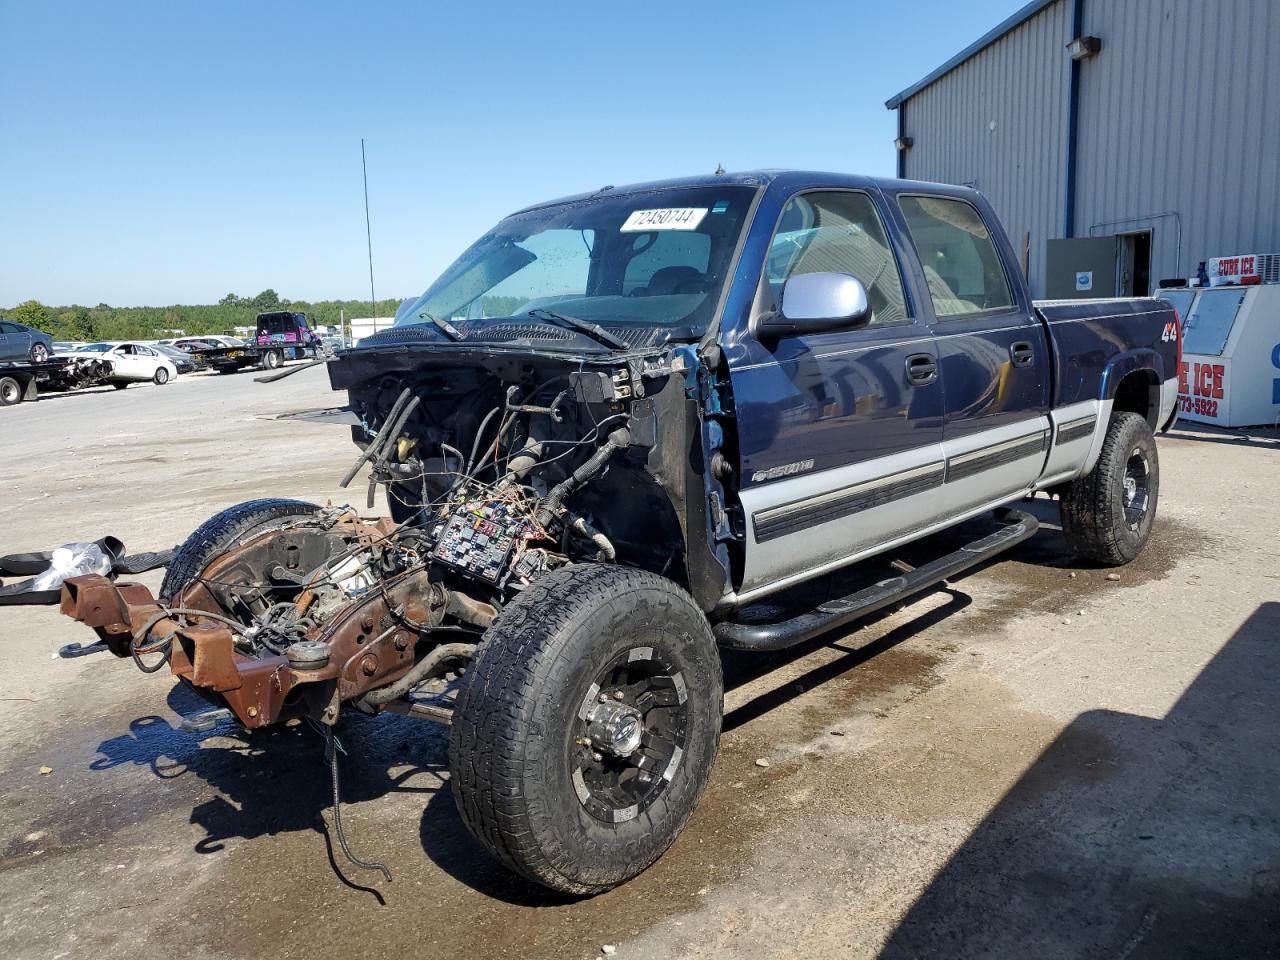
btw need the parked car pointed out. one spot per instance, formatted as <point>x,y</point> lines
<point>197,344</point>
<point>184,361</point>
<point>131,363</point>
<point>20,342</point>
<point>753,383</point>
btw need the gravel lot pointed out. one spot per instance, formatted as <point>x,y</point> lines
<point>1036,762</point>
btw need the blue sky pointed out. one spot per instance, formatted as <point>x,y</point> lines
<point>158,153</point>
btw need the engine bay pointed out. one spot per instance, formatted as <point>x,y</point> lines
<point>499,469</point>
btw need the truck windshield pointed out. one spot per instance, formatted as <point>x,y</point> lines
<point>654,258</point>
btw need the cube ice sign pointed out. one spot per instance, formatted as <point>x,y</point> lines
<point>1232,270</point>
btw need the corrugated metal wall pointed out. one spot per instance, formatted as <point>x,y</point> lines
<point>1179,128</point>
<point>998,122</point>
<point>1180,115</point>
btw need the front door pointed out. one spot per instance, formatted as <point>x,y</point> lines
<point>124,363</point>
<point>992,352</point>
<point>839,432</point>
<point>15,341</point>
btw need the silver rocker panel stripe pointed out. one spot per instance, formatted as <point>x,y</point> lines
<point>996,455</point>
<point>791,517</point>
<point>1076,430</point>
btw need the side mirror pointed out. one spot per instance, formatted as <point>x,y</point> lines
<point>816,302</point>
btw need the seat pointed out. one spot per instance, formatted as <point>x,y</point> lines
<point>675,279</point>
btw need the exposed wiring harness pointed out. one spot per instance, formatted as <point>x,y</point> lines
<point>138,648</point>
<point>332,745</point>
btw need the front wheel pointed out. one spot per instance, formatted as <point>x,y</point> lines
<point>39,353</point>
<point>225,529</point>
<point>120,384</point>
<point>160,377</point>
<point>586,726</point>
<point>1107,514</point>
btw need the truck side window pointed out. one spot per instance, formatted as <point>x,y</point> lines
<point>960,260</point>
<point>839,232</point>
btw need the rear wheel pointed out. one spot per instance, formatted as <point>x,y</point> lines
<point>586,726</point>
<point>273,359</point>
<point>1108,513</point>
<point>10,391</point>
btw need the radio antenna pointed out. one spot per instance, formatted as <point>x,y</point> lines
<point>368,230</point>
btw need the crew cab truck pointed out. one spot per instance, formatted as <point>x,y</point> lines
<point>627,429</point>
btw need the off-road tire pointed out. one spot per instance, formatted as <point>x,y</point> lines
<point>1093,506</point>
<point>233,525</point>
<point>10,391</point>
<point>160,377</point>
<point>512,735</point>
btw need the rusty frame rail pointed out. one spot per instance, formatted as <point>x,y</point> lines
<point>371,644</point>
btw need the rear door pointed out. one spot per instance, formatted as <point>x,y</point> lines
<point>839,432</point>
<point>992,351</point>
<point>146,360</point>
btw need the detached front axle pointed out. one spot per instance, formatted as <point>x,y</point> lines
<point>366,646</point>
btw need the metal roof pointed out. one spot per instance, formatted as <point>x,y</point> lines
<point>986,40</point>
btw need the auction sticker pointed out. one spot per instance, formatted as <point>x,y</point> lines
<point>668,218</point>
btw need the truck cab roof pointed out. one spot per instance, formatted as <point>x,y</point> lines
<point>785,178</point>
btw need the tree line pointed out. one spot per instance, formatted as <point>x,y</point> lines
<point>105,322</point>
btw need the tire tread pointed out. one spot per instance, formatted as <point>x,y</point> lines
<point>490,732</point>
<point>1092,516</point>
<point>220,531</point>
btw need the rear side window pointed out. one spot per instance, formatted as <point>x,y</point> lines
<point>960,260</point>
<point>838,232</point>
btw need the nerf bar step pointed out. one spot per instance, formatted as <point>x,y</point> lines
<point>762,637</point>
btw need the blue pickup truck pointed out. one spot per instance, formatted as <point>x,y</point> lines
<point>630,428</point>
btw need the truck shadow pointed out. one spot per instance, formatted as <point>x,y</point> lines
<point>276,781</point>
<point>1130,836</point>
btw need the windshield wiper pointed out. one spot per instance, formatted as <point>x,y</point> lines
<point>444,326</point>
<point>593,330</point>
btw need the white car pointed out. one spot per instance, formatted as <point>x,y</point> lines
<point>130,362</point>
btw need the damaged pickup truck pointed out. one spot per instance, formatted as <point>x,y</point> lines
<point>616,436</point>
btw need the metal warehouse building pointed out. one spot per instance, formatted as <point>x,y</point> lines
<point>1147,131</point>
